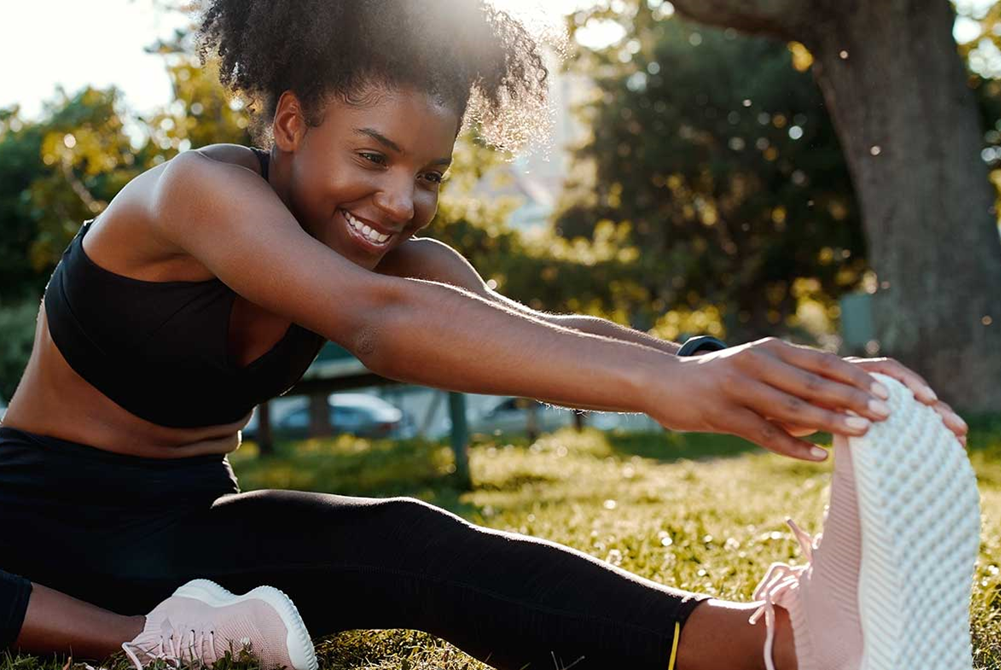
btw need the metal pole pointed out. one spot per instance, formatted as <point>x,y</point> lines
<point>265,442</point>
<point>460,437</point>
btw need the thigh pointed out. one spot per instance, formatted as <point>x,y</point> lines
<point>347,562</point>
<point>350,562</point>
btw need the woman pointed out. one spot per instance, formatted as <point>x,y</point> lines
<point>209,284</point>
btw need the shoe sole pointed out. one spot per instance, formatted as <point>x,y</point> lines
<point>298,642</point>
<point>919,509</point>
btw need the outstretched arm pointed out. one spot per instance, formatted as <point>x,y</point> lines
<point>429,259</point>
<point>435,334</point>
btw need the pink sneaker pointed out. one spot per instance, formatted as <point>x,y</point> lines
<point>201,621</point>
<point>888,582</point>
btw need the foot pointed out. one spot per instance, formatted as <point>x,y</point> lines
<point>201,621</point>
<point>888,582</point>
<point>821,596</point>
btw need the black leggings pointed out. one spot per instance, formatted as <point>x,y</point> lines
<point>123,532</point>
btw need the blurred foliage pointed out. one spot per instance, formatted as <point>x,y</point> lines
<point>545,271</point>
<point>714,156</point>
<point>62,169</point>
<point>710,195</point>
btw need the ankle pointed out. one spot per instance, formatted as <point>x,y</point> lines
<point>784,651</point>
<point>132,627</point>
<point>719,635</point>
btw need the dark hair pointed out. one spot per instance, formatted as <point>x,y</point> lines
<point>467,53</point>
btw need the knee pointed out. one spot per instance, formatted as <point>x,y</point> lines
<point>414,516</point>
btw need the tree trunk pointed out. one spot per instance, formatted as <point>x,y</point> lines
<point>896,89</point>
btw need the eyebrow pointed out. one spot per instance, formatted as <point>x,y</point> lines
<point>390,144</point>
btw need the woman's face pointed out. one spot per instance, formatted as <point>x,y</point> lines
<point>367,178</point>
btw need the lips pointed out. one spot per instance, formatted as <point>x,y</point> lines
<point>366,235</point>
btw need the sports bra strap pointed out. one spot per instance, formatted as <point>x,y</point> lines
<point>264,158</point>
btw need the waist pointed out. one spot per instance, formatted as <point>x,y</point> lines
<point>45,468</point>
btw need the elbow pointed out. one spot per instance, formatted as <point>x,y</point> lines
<point>377,337</point>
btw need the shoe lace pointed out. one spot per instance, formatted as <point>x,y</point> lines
<point>171,648</point>
<point>779,587</point>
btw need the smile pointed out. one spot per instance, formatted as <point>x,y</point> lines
<point>365,233</point>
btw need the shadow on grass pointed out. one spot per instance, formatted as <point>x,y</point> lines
<point>669,447</point>
<point>984,445</point>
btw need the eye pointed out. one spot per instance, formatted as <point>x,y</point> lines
<point>378,159</point>
<point>434,177</point>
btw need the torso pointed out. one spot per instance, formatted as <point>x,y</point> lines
<point>52,399</point>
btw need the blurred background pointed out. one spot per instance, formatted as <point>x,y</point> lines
<point>807,170</point>
<point>824,171</point>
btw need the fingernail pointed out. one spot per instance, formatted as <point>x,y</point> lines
<point>930,393</point>
<point>879,407</point>
<point>962,423</point>
<point>818,453</point>
<point>857,422</point>
<point>880,390</point>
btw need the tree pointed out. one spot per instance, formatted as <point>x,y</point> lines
<point>715,151</point>
<point>897,92</point>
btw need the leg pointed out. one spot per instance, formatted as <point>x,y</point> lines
<point>47,621</point>
<point>718,635</point>
<point>41,620</point>
<point>505,598</point>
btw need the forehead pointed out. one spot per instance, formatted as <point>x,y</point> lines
<point>417,122</point>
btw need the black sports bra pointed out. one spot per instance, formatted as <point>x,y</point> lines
<point>159,349</point>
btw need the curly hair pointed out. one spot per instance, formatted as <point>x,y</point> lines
<point>467,53</point>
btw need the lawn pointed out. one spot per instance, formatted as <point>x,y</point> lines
<point>702,512</point>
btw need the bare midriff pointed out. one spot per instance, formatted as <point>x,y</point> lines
<point>52,399</point>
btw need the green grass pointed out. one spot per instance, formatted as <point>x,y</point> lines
<point>701,512</point>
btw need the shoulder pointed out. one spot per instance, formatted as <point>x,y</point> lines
<point>206,177</point>
<point>426,258</point>
<point>214,162</point>
<point>235,154</point>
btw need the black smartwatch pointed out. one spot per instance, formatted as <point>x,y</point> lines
<point>693,345</point>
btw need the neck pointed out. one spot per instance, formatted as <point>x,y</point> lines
<point>280,178</point>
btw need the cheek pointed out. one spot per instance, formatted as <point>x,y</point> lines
<point>426,205</point>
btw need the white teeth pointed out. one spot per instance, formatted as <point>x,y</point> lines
<point>367,231</point>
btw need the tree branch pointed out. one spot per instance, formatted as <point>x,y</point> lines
<point>779,18</point>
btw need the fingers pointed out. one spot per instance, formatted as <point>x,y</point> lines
<point>830,366</point>
<point>794,370</point>
<point>952,420</point>
<point>912,380</point>
<point>793,429</point>
<point>748,425</point>
<point>772,402</point>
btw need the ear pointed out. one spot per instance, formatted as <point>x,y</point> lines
<point>289,125</point>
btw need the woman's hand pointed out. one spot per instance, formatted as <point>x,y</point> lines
<point>919,387</point>
<point>752,390</point>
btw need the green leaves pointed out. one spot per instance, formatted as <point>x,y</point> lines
<point>718,152</point>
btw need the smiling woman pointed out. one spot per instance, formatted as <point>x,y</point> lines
<point>209,284</point>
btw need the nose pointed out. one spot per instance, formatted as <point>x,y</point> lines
<point>396,199</point>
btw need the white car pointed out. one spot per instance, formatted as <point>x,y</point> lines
<point>510,415</point>
<point>359,414</point>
